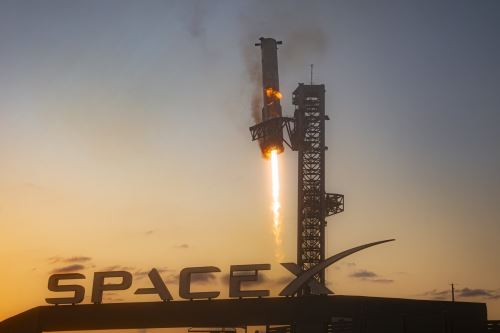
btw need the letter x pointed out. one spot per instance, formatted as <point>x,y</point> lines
<point>316,287</point>
<point>306,277</point>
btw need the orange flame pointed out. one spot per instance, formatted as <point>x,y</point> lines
<point>276,202</point>
<point>270,92</point>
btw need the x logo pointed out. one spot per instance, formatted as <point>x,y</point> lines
<point>315,287</point>
<point>306,277</point>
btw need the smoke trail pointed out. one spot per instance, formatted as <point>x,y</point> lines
<point>253,70</point>
<point>304,40</point>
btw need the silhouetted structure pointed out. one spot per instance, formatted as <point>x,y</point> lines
<point>212,330</point>
<point>299,314</point>
<point>493,326</point>
<point>314,204</point>
<point>306,132</point>
<point>271,95</point>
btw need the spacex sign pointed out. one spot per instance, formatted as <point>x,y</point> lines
<point>238,275</point>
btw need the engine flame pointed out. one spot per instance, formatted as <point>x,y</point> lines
<point>270,92</point>
<point>276,202</point>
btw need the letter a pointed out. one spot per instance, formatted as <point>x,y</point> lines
<point>158,287</point>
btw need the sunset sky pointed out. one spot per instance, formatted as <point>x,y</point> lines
<point>124,142</point>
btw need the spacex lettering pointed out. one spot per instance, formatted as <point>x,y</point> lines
<point>238,274</point>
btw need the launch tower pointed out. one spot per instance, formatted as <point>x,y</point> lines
<point>306,133</point>
<point>314,204</point>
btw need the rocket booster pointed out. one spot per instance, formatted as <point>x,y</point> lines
<point>271,94</point>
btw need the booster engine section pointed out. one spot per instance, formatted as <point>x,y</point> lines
<point>273,137</point>
<point>270,78</point>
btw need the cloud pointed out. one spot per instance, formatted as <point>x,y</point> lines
<point>53,260</point>
<point>203,278</point>
<point>437,294</point>
<point>370,276</point>
<point>196,23</point>
<point>118,268</point>
<point>363,274</point>
<point>481,293</point>
<point>75,259</point>
<point>78,259</point>
<point>139,274</point>
<point>463,293</point>
<point>171,278</point>
<point>382,280</point>
<point>68,269</point>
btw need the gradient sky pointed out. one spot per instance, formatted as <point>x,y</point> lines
<point>124,142</point>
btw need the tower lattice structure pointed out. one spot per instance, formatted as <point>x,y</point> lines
<point>314,204</point>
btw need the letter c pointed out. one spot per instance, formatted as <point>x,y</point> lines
<point>185,283</point>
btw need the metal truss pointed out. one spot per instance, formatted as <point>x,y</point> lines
<point>306,133</point>
<point>273,128</point>
<point>314,204</point>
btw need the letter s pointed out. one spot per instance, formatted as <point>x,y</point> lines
<point>77,289</point>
